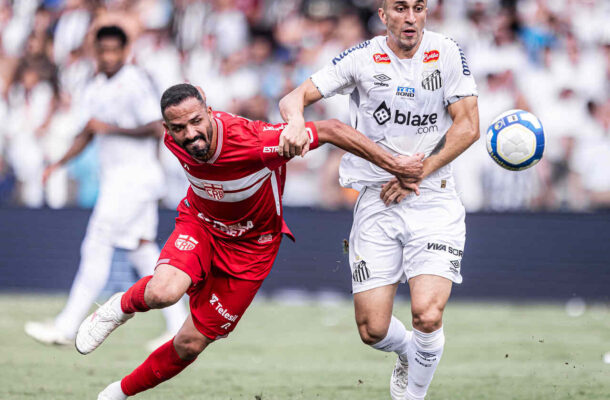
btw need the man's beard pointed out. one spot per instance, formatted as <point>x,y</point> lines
<point>200,153</point>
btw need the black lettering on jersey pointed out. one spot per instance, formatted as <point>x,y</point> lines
<point>341,56</point>
<point>465,68</point>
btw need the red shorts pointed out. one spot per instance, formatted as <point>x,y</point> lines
<point>218,294</point>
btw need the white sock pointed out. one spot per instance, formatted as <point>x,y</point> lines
<point>396,340</point>
<point>144,259</point>
<point>424,353</point>
<point>93,271</point>
<point>113,392</point>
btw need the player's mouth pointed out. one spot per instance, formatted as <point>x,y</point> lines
<point>410,32</point>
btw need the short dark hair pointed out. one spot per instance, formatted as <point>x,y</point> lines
<point>177,94</point>
<point>111,31</point>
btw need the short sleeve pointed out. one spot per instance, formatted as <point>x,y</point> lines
<point>340,75</point>
<point>146,100</point>
<point>269,135</point>
<point>82,107</point>
<point>458,79</point>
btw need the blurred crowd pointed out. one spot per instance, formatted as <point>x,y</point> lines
<point>549,57</point>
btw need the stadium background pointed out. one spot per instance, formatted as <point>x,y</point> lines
<point>537,235</point>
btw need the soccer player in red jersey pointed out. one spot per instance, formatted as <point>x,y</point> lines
<point>227,233</point>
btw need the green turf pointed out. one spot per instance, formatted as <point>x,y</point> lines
<point>311,351</point>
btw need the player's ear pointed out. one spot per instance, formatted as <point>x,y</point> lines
<point>165,127</point>
<point>382,16</point>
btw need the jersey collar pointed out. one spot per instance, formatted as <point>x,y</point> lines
<point>219,140</point>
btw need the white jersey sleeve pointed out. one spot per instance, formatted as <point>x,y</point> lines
<point>340,76</point>
<point>459,82</point>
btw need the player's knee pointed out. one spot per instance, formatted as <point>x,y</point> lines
<point>371,334</point>
<point>428,320</point>
<point>189,347</point>
<point>161,296</point>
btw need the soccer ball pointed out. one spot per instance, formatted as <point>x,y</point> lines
<point>515,140</point>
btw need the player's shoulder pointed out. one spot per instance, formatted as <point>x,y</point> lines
<point>359,51</point>
<point>235,126</point>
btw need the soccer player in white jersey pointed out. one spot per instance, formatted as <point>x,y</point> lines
<point>119,107</point>
<point>412,92</point>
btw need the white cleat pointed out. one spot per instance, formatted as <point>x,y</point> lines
<point>96,327</point>
<point>112,392</point>
<point>154,344</point>
<point>398,382</point>
<point>47,333</point>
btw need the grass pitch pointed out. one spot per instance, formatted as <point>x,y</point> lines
<point>312,351</point>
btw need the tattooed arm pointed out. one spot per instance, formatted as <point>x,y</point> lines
<point>463,132</point>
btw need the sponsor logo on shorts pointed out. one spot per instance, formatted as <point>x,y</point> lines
<point>432,81</point>
<point>214,191</point>
<point>265,238</point>
<point>431,56</point>
<point>185,243</point>
<point>361,272</point>
<point>215,301</point>
<point>445,248</point>
<point>186,203</point>
<point>455,265</point>
<point>381,58</point>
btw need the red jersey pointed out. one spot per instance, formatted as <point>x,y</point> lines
<point>237,193</point>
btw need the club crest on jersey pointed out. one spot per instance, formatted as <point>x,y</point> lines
<point>214,191</point>
<point>431,56</point>
<point>185,243</point>
<point>381,58</point>
<point>432,81</point>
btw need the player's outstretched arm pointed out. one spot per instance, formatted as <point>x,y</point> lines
<point>294,139</point>
<point>408,169</point>
<point>78,145</point>
<point>463,132</point>
<point>152,129</point>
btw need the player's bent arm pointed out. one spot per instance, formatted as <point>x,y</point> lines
<point>78,145</point>
<point>349,139</point>
<point>294,139</point>
<point>152,129</point>
<point>463,132</point>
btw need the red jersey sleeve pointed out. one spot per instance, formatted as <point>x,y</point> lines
<point>270,138</point>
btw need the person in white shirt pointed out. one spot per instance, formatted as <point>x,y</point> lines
<point>119,108</point>
<point>413,93</point>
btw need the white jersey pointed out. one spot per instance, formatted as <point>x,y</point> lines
<point>129,166</point>
<point>399,103</point>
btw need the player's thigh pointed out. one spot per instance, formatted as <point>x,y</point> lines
<point>189,248</point>
<point>375,248</point>
<point>429,294</point>
<point>218,306</point>
<point>167,285</point>
<point>437,237</point>
<point>373,307</point>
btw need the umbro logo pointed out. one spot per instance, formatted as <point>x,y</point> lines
<point>381,79</point>
<point>455,265</point>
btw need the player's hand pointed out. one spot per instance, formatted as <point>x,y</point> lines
<point>48,171</point>
<point>294,140</point>
<point>410,169</point>
<point>99,127</point>
<point>395,192</point>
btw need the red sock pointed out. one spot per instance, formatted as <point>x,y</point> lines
<point>161,365</point>
<point>133,299</point>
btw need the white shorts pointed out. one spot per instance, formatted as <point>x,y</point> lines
<point>421,235</point>
<point>123,222</point>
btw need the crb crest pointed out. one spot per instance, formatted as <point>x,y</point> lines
<point>214,191</point>
<point>185,243</point>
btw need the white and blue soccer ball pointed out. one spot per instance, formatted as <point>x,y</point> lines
<point>515,140</point>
